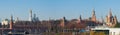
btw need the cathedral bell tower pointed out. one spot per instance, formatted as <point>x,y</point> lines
<point>30,15</point>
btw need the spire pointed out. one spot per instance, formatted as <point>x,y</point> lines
<point>80,18</point>
<point>110,12</point>
<point>11,17</point>
<point>106,19</point>
<point>93,12</point>
<point>64,19</point>
<point>115,18</point>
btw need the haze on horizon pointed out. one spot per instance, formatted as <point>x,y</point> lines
<point>56,9</point>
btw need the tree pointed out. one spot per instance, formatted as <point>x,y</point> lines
<point>117,25</point>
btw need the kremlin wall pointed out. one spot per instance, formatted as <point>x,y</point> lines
<point>60,26</point>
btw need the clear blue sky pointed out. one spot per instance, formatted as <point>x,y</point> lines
<point>56,9</point>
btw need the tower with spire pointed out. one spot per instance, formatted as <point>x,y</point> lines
<point>80,18</point>
<point>62,22</point>
<point>93,18</point>
<point>11,22</point>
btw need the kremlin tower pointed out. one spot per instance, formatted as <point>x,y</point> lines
<point>11,22</point>
<point>93,18</point>
<point>80,18</point>
<point>62,22</point>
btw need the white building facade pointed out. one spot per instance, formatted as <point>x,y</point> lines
<point>112,31</point>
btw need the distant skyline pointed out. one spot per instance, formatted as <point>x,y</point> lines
<point>56,9</point>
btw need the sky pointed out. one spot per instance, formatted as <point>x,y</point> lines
<point>56,9</point>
